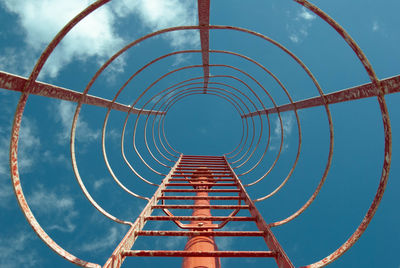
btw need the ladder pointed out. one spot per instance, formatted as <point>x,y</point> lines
<point>190,181</point>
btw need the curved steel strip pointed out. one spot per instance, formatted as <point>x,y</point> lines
<point>387,132</point>
<point>183,94</point>
<point>163,121</point>
<point>143,68</point>
<point>240,149</point>
<point>180,87</point>
<point>232,88</point>
<point>20,195</point>
<point>103,145</point>
<point>298,127</point>
<point>304,67</point>
<point>176,96</point>
<point>290,171</point>
<point>197,92</point>
<point>200,92</point>
<point>15,138</point>
<point>126,160</point>
<point>154,118</point>
<point>141,95</point>
<point>152,62</point>
<point>297,119</point>
<point>269,126</point>
<point>215,65</point>
<point>146,142</point>
<point>77,174</point>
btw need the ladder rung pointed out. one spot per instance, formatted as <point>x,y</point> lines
<point>203,156</point>
<point>212,175</point>
<point>200,174</point>
<point>201,233</point>
<point>198,166</point>
<point>201,206</point>
<point>183,253</point>
<point>200,184</point>
<point>194,169</point>
<point>201,190</point>
<point>208,180</point>
<point>203,160</point>
<point>201,198</point>
<point>222,161</point>
<point>198,218</point>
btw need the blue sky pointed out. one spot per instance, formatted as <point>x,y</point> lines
<point>200,124</point>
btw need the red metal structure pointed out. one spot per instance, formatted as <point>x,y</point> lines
<point>198,178</point>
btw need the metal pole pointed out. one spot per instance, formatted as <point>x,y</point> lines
<point>200,243</point>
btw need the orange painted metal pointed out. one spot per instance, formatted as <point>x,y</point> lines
<point>201,243</point>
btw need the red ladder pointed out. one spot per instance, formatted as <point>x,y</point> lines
<point>215,172</point>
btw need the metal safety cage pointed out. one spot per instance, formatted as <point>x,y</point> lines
<point>195,181</point>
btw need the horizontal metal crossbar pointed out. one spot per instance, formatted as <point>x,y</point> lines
<point>201,198</point>
<point>201,233</point>
<point>214,175</point>
<point>202,156</point>
<point>390,85</point>
<point>201,190</point>
<point>198,218</point>
<point>201,206</point>
<point>201,184</point>
<point>183,253</point>
<point>194,169</point>
<point>17,83</point>
<point>196,165</point>
<point>208,180</point>
<point>188,173</point>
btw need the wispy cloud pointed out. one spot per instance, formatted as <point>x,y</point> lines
<point>13,253</point>
<point>99,183</point>
<point>41,20</point>
<point>299,25</point>
<point>114,235</point>
<point>97,36</point>
<point>64,114</point>
<point>287,123</point>
<point>375,26</point>
<point>60,206</point>
<point>153,15</point>
<point>29,147</point>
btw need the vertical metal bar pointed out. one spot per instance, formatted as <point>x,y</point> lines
<point>281,258</point>
<point>201,243</point>
<point>117,258</point>
<point>204,21</point>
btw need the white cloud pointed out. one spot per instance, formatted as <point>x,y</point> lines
<point>305,14</point>
<point>287,123</point>
<point>294,38</point>
<point>299,25</point>
<point>114,236</point>
<point>64,115</point>
<point>29,146</point>
<point>41,20</point>
<point>99,183</point>
<point>59,208</point>
<point>97,35</point>
<point>159,14</point>
<point>13,253</point>
<point>375,26</point>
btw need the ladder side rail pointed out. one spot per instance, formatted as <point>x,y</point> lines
<point>281,258</point>
<point>117,257</point>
